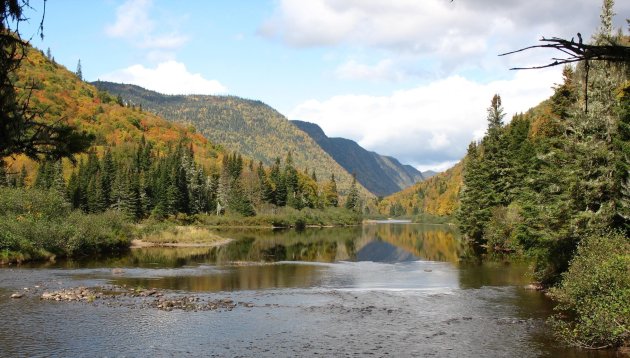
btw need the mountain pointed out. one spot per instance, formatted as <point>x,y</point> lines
<point>429,173</point>
<point>381,175</point>
<point>438,196</point>
<point>247,126</point>
<point>59,93</point>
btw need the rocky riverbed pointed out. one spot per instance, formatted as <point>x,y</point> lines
<point>120,295</point>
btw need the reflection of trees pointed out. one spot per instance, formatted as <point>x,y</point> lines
<point>476,275</point>
<point>166,256</point>
<point>239,278</point>
<point>321,245</point>
<point>430,242</point>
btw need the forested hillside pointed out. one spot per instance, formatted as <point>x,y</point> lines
<point>249,127</point>
<point>146,166</point>
<point>438,196</point>
<point>381,175</point>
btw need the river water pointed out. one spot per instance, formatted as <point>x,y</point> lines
<point>384,289</point>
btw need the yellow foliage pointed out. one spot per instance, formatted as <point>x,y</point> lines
<point>439,195</point>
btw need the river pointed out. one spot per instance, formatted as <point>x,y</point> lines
<point>384,289</point>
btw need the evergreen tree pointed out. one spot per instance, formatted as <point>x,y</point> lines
<point>495,114</point>
<point>79,72</point>
<point>43,179</point>
<point>474,210</point>
<point>331,197</point>
<point>353,201</point>
<point>107,178</point>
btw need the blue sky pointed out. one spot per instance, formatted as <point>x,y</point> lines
<point>406,78</point>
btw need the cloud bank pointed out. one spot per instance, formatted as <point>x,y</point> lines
<point>170,77</point>
<point>428,126</point>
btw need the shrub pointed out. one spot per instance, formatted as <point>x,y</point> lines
<point>594,296</point>
<point>37,224</point>
<point>500,232</point>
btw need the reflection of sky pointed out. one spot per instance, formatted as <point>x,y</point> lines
<point>416,275</point>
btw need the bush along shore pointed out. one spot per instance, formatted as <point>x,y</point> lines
<point>39,225</point>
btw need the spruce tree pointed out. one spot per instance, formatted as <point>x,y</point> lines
<point>353,201</point>
<point>331,197</point>
<point>79,71</point>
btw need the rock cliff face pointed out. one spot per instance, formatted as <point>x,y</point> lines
<point>381,175</point>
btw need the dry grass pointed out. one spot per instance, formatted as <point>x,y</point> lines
<point>184,236</point>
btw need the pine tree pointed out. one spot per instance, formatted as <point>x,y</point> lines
<point>107,177</point>
<point>474,210</point>
<point>353,201</point>
<point>79,72</point>
<point>43,180</point>
<point>331,197</point>
<point>58,183</point>
<point>495,114</point>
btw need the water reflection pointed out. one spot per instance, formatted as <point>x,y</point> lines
<point>259,259</point>
<point>379,243</point>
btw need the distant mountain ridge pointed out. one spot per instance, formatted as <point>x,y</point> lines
<point>247,126</point>
<point>381,175</point>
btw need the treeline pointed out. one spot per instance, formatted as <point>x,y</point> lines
<point>142,182</point>
<point>554,185</point>
<point>541,183</point>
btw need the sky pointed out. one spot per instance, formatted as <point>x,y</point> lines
<point>406,78</point>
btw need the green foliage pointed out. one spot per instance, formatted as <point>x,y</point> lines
<point>248,127</point>
<point>353,201</point>
<point>594,295</point>
<point>39,224</point>
<point>331,196</point>
<point>286,217</point>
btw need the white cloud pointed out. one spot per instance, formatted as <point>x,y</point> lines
<point>430,125</point>
<point>454,33</point>
<point>170,77</point>
<point>383,70</point>
<point>131,19</point>
<point>134,24</point>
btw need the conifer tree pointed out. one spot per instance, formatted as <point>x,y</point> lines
<point>331,197</point>
<point>79,71</point>
<point>353,201</point>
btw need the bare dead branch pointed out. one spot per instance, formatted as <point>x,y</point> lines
<point>576,52</point>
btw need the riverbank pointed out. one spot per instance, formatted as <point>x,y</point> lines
<point>39,225</point>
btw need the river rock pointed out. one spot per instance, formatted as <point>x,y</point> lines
<point>17,295</point>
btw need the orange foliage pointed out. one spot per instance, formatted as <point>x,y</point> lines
<point>60,95</point>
